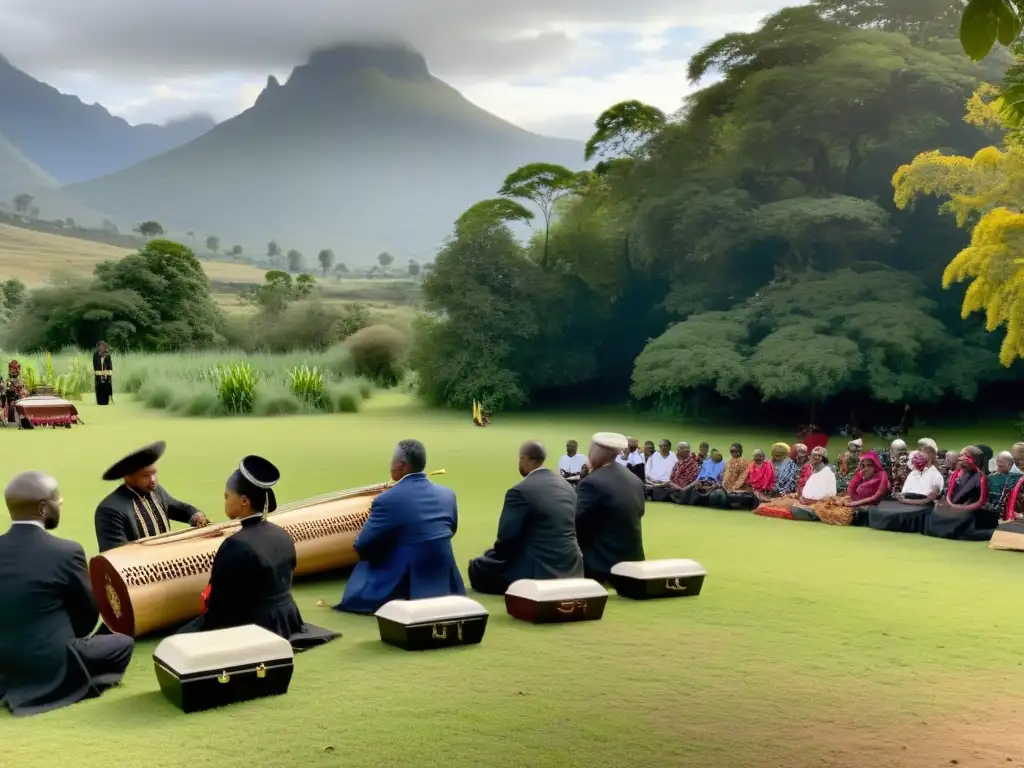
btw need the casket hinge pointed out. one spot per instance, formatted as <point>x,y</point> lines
<point>261,671</point>
<point>674,585</point>
<point>223,677</point>
<point>440,631</point>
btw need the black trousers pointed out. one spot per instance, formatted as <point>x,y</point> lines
<point>486,576</point>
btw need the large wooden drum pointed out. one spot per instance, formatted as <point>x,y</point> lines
<point>157,583</point>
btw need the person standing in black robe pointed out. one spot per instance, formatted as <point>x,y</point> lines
<point>47,610</point>
<point>609,508</point>
<point>103,369</point>
<point>140,507</point>
<point>251,580</point>
<point>536,530</point>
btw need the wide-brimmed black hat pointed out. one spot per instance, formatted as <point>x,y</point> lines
<point>141,459</point>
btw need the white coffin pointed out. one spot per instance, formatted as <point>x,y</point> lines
<point>434,622</point>
<point>646,579</point>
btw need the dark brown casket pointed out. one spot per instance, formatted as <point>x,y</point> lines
<point>434,622</point>
<point>203,670</point>
<point>554,601</point>
<point>1009,536</point>
<point>644,580</point>
<point>46,411</point>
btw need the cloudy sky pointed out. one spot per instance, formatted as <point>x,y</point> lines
<point>547,65</point>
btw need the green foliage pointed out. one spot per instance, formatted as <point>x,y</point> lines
<point>276,400</point>
<point>295,261</point>
<point>279,290</point>
<point>308,385</point>
<point>213,243</point>
<point>347,396</point>
<point>385,259</point>
<point>326,259</point>
<point>624,130</point>
<point>379,353</point>
<point>236,387</point>
<point>496,212</point>
<point>150,229</point>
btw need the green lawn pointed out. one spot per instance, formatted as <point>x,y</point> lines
<point>810,646</point>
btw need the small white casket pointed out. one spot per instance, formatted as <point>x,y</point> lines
<point>1008,536</point>
<point>554,601</point>
<point>202,670</point>
<point>434,622</point>
<point>648,579</point>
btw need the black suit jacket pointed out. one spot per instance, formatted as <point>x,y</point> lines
<point>609,507</point>
<point>45,602</point>
<point>537,529</point>
<point>122,517</point>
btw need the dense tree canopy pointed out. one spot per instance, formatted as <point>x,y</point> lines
<point>750,243</point>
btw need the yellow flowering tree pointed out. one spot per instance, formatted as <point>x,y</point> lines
<point>985,193</point>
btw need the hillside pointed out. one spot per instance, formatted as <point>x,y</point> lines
<point>18,174</point>
<point>73,141</point>
<point>361,150</point>
<point>34,257</point>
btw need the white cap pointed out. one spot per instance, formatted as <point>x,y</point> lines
<point>613,441</point>
<point>859,442</point>
<point>928,442</point>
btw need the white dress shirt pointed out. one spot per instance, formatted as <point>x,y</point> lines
<point>28,522</point>
<point>659,468</point>
<point>572,465</point>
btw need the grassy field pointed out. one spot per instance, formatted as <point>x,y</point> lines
<point>810,646</point>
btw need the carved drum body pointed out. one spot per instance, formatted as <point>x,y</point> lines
<point>157,583</point>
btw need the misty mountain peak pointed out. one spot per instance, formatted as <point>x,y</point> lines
<point>397,60</point>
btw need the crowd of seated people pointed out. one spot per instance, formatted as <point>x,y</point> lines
<point>942,493</point>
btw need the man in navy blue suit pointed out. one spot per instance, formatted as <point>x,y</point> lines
<point>405,548</point>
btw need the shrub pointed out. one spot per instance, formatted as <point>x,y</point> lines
<point>352,319</point>
<point>338,361</point>
<point>345,397</point>
<point>365,387</point>
<point>307,384</point>
<point>276,400</point>
<point>195,400</point>
<point>156,394</point>
<point>236,387</point>
<point>132,380</point>
<point>378,353</point>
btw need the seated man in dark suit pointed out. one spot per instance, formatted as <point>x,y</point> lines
<point>405,548</point>
<point>609,506</point>
<point>47,611</point>
<point>536,530</point>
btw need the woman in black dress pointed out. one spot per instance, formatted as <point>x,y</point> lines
<point>102,371</point>
<point>251,580</point>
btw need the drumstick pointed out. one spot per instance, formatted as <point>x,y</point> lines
<point>437,472</point>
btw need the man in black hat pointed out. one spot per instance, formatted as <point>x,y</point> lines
<point>140,508</point>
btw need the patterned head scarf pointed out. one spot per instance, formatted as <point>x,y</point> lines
<point>821,451</point>
<point>781,449</point>
<point>918,461</point>
<point>14,369</point>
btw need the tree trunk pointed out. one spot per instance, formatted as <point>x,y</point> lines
<point>852,164</point>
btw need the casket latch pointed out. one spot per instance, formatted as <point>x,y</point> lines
<point>261,671</point>
<point>673,585</point>
<point>570,606</point>
<point>223,677</point>
<point>440,631</point>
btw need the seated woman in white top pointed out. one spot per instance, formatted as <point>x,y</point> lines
<point>658,470</point>
<point>912,504</point>
<point>816,482</point>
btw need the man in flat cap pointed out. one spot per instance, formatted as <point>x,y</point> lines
<point>47,612</point>
<point>609,506</point>
<point>140,508</point>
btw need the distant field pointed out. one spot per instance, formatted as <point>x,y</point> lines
<point>35,257</point>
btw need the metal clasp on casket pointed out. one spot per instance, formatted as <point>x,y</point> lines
<point>570,606</point>
<point>440,631</point>
<point>261,671</point>
<point>223,677</point>
<point>673,585</point>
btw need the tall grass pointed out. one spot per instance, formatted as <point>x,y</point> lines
<point>208,384</point>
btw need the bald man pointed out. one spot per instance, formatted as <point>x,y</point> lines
<point>536,530</point>
<point>47,611</point>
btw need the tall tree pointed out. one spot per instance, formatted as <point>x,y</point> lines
<point>414,268</point>
<point>294,261</point>
<point>326,259</point>
<point>273,250</point>
<point>623,130</point>
<point>213,243</point>
<point>236,251</point>
<point>543,184</point>
<point>23,202</point>
<point>385,259</point>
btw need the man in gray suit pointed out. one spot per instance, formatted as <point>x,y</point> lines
<point>47,609</point>
<point>536,530</point>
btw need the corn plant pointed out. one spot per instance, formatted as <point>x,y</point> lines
<point>308,385</point>
<point>236,387</point>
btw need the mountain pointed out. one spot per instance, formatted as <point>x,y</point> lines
<point>74,141</point>
<point>361,150</point>
<point>20,175</point>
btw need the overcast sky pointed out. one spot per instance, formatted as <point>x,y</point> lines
<point>547,65</point>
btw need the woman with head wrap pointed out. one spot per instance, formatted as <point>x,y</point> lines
<point>846,466</point>
<point>867,487</point>
<point>911,504</point>
<point>786,470</point>
<point>251,579</point>
<point>817,482</point>
<point>733,478</point>
<point>801,454</point>
<point>962,513</point>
